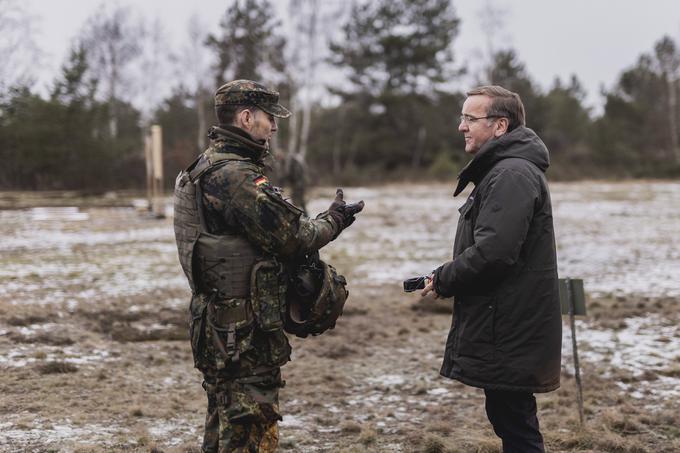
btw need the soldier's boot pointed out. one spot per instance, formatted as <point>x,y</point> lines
<point>250,438</point>
<point>270,439</point>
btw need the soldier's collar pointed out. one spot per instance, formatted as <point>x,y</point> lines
<point>238,140</point>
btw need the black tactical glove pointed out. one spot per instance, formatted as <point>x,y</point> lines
<point>343,213</point>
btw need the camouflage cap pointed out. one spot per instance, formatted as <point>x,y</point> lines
<point>247,92</point>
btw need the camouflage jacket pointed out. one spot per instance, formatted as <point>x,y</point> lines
<point>238,197</point>
<point>238,200</point>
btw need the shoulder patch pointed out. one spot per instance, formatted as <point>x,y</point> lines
<point>261,180</point>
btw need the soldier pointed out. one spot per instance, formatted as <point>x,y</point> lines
<point>236,238</point>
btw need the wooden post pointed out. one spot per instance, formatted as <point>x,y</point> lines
<point>157,158</point>
<point>148,156</point>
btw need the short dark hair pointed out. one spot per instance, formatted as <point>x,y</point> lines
<point>504,103</point>
<point>226,113</point>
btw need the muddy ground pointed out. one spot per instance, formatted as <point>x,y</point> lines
<point>94,353</point>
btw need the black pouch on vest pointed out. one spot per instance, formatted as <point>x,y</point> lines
<point>230,322</point>
<point>267,294</point>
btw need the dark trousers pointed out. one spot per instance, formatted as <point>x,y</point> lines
<point>513,417</point>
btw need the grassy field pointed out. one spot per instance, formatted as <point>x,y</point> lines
<point>94,353</point>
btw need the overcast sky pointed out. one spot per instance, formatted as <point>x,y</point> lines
<point>594,39</point>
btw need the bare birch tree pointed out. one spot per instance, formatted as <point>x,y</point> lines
<point>311,28</point>
<point>492,19</point>
<point>195,67</point>
<point>152,69</point>
<point>18,52</point>
<point>112,38</point>
<point>668,60</point>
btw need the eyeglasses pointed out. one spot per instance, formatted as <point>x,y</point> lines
<point>469,119</point>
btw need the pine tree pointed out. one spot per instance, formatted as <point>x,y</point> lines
<point>248,46</point>
<point>397,54</point>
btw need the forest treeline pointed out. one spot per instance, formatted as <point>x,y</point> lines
<point>392,112</point>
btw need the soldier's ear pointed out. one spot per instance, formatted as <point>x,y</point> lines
<point>244,119</point>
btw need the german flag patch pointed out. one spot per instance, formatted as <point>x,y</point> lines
<point>260,180</point>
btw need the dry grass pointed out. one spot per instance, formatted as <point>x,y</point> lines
<point>57,368</point>
<point>611,312</point>
<point>26,320</point>
<point>368,435</point>
<point>48,338</point>
<point>336,366</point>
<point>371,385</point>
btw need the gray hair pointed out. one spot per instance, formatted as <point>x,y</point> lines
<point>504,103</point>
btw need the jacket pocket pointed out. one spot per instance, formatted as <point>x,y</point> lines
<point>267,294</point>
<point>465,236</point>
<point>231,326</point>
<point>476,327</point>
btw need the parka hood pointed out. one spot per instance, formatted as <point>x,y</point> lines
<point>521,142</point>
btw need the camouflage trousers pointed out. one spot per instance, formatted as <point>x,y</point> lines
<point>242,386</point>
<point>242,413</point>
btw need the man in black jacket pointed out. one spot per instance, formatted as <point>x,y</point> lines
<point>507,330</point>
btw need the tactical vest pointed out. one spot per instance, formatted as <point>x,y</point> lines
<point>213,264</point>
<point>234,286</point>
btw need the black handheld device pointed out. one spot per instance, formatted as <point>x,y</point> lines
<point>415,283</point>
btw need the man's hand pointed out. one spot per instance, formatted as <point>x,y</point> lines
<point>429,288</point>
<point>350,210</point>
<point>339,202</point>
<point>343,213</point>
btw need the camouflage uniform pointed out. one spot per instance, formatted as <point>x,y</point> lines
<point>237,337</point>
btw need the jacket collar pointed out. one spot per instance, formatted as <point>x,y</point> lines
<point>231,139</point>
<point>521,143</point>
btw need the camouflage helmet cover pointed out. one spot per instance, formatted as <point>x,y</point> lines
<point>315,301</point>
<point>247,92</point>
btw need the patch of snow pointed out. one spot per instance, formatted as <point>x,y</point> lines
<point>71,214</point>
<point>34,328</point>
<point>293,421</point>
<point>140,204</point>
<point>646,344</point>
<point>41,239</point>
<point>24,355</point>
<point>620,238</point>
<point>438,391</point>
<point>387,379</point>
<point>51,433</point>
<point>171,432</point>
<point>332,408</point>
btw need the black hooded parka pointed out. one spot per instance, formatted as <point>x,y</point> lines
<point>507,328</point>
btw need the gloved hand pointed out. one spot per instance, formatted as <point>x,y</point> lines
<point>343,213</point>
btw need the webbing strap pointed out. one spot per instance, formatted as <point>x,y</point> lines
<point>199,168</point>
<point>199,207</point>
<point>222,398</point>
<point>228,351</point>
<point>194,175</point>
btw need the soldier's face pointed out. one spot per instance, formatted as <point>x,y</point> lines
<point>262,126</point>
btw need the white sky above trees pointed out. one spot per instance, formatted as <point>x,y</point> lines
<point>595,39</point>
